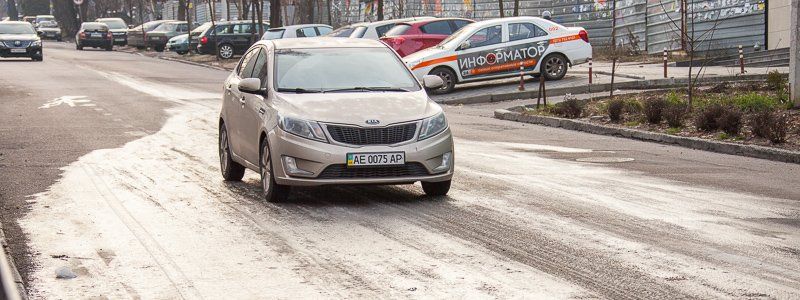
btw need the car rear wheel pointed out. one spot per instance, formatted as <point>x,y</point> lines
<point>449,79</point>
<point>225,51</point>
<point>436,189</point>
<point>555,67</point>
<point>231,170</point>
<point>159,48</point>
<point>273,192</point>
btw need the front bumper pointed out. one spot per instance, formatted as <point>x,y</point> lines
<point>160,42</point>
<point>178,47</point>
<point>30,51</point>
<point>96,43</point>
<point>326,161</point>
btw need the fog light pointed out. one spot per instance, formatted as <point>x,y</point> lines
<point>290,165</point>
<point>447,159</point>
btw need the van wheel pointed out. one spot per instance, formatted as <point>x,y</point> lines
<point>555,67</point>
<point>225,51</point>
<point>449,79</point>
<point>231,170</point>
<point>436,189</point>
<point>273,192</point>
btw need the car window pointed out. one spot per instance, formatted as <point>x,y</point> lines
<point>438,27</point>
<point>245,69</point>
<point>243,28</point>
<point>358,32</point>
<point>521,31</point>
<point>224,29</point>
<point>183,27</point>
<point>273,34</point>
<point>486,36</point>
<point>461,23</point>
<point>94,27</point>
<point>400,29</point>
<point>115,23</point>
<point>260,67</point>
<point>306,32</point>
<point>382,30</point>
<point>342,32</point>
<point>14,28</point>
<point>324,30</point>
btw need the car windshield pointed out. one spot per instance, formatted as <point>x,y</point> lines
<point>115,24</point>
<point>273,34</point>
<point>456,35</point>
<point>48,24</point>
<point>358,32</point>
<point>41,19</point>
<point>342,32</point>
<point>94,27</point>
<point>400,29</point>
<point>18,28</point>
<point>202,28</point>
<point>345,69</point>
<point>167,27</point>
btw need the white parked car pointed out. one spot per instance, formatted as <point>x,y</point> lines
<point>297,31</point>
<point>371,30</point>
<point>498,48</point>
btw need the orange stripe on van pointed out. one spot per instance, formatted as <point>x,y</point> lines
<point>435,61</point>
<point>565,39</point>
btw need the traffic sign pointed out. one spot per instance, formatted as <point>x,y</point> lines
<point>78,2</point>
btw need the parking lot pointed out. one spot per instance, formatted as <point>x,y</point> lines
<point>110,168</point>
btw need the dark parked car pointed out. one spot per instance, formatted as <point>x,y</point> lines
<point>138,35</point>
<point>19,39</point>
<point>410,37</point>
<point>118,28</point>
<point>158,38</point>
<point>49,30</point>
<point>194,36</point>
<point>229,38</point>
<point>94,34</point>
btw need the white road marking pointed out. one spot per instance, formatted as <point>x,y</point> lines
<point>71,101</point>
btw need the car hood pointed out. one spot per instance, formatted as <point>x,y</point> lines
<point>49,29</point>
<point>429,53</point>
<point>356,108</point>
<point>21,37</point>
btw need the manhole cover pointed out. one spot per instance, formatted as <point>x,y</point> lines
<point>605,159</point>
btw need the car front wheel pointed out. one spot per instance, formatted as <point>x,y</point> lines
<point>225,51</point>
<point>436,189</point>
<point>555,67</point>
<point>231,170</point>
<point>273,192</point>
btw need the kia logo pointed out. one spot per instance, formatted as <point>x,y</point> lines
<point>372,122</point>
<point>17,43</point>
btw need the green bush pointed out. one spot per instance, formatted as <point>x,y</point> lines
<point>654,109</point>
<point>632,106</point>
<point>674,98</point>
<point>776,81</point>
<point>675,113</point>
<point>753,102</point>
<point>770,125</point>
<point>730,121</point>
<point>707,116</point>
<point>614,109</point>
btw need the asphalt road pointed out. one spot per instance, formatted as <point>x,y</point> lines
<point>109,167</point>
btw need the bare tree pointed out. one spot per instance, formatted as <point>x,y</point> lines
<point>181,10</point>
<point>380,10</point>
<point>13,14</point>
<point>502,11</point>
<point>614,52</point>
<point>516,8</point>
<point>275,14</point>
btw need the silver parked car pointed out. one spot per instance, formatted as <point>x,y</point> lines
<point>329,111</point>
<point>297,31</point>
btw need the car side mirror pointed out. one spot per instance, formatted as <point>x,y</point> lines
<point>464,45</point>
<point>130,26</point>
<point>250,85</point>
<point>432,81</point>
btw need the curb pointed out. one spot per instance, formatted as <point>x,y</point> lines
<point>8,264</point>
<point>688,142</point>
<point>603,87</point>
<point>177,60</point>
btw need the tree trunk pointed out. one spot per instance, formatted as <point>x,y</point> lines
<point>65,14</point>
<point>253,31</point>
<point>613,46</point>
<point>275,14</point>
<point>502,10</point>
<point>380,10</point>
<point>330,13</point>
<point>260,14</point>
<point>13,14</point>
<point>181,10</point>
<point>516,8</point>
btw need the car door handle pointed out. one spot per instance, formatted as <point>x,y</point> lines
<point>241,100</point>
<point>261,111</point>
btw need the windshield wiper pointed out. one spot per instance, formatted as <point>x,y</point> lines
<point>370,89</point>
<point>298,90</point>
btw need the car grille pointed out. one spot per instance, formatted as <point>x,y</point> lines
<point>13,44</point>
<point>372,136</point>
<point>343,172</point>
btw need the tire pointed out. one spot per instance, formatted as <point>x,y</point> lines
<point>109,48</point>
<point>182,52</point>
<point>159,49</point>
<point>225,51</point>
<point>231,170</point>
<point>273,192</point>
<point>449,78</point>
<point>555,67</point>
<point>37,58</point>
<point>436,189</point>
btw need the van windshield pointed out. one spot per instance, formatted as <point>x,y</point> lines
<point>341,69</point>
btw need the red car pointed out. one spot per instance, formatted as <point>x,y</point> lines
<point>410,37</point>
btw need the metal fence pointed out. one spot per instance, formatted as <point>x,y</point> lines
<point>641,25</point>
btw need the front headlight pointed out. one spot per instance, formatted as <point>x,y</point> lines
<point>36,43</point>
<point>433,126</point>
<point>303,128</point>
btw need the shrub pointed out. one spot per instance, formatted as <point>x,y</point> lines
<point>572,108</point>
<point>706,118</point>
<point>776,81</point>
<point>674,98</point>
<point>654,109</point>
<point>632,106</point>
<point>769,125</point>
<point>614,109</point>
<point>673,130</point>
<point>753,102</point>
<point>675,114</point>
<point>730,121</point>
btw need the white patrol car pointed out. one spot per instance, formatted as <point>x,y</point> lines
<point>497,48</point>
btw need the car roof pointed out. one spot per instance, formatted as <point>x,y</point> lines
<point>290,27</point>
<point>93,23</point>
<point>108,19</point>
<point>509,19</point>
<point>324,42</point>
<point>392,21</point>
<point>424,21</point>
<point>237,22</point>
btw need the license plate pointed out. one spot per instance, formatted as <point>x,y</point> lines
<point>96,35</point>
<point>119,40</point>
<point>19,50</point>
<point>155,38</point>
<point>376,159</point>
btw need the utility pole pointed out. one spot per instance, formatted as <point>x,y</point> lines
<point>794,56</point>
